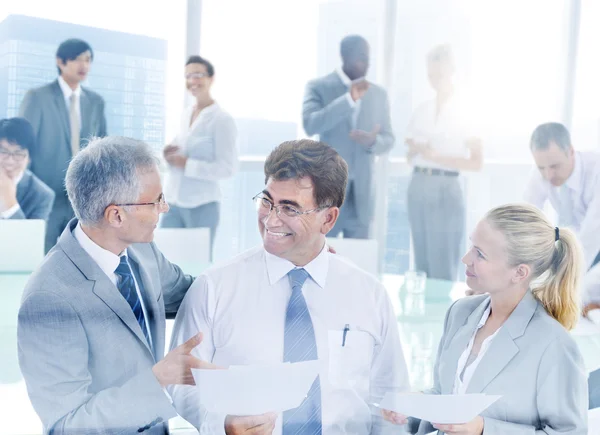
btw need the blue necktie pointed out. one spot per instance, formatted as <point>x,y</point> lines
<point>126,286</point>
<point>300,345</point>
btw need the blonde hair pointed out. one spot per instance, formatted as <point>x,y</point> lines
<point>531,240</point>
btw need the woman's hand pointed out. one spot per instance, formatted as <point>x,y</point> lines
<point>394,417</point>
<point>474,427</point>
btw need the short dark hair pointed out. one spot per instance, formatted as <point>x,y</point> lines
<point>549,132</point>
<point>350,43</point>
<point>210,69</point>
<point>17,131</point>
<point>296,159</point>
<point>71,48</point>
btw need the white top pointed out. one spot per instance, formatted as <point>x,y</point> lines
<point>445,134</point>
<point>210,144</point>
<point>240,307</point>
<point>7,214</point>
<point>108,263</point>
<point>584,187</point>
<point>354,104</point>
<point>67,92</point>
<point>461,385</point>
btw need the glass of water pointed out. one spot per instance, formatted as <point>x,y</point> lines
<point>414,281</point>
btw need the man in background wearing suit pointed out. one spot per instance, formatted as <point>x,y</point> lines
<point>22,194</point>
<point>64,116</point>
<point>91,327</point>
<point>351,115</point>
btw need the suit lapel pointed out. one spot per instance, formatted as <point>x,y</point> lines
<point>150,303</point>
<point>23,186</point>
<point>102,286</point>
<point>458,344</point>
<point>503,347</point>
<point>63,113</point>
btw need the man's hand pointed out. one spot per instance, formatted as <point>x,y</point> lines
<point>359,88</point>
<point>8,191</point>
<point>474,427</point>
<point>394,417</point>
<point>365,138</point>
<point>175,367</point>
<point>250,425</point>
<point>174,156</point>
<point>589,307</point>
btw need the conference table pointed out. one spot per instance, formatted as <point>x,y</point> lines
<point>420,322</point>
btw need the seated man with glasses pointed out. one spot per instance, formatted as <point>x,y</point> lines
<point>22,194</point>
<point>291,300</point>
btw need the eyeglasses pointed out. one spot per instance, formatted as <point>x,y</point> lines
<point>196,75</point>
<point>264,207</point>
<point>18,156</point>
<point>161,202</point>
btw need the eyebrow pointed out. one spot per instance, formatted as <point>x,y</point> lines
<point>283,201</point>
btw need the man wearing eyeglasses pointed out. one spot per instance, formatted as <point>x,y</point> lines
<point>291,300</point>
<point>22,194</point>
<point>91,326</point>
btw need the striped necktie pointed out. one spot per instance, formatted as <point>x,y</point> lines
<point>127,288</point>
<point>300,345</point>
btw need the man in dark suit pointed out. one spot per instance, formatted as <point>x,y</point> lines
<point>22,194</point>
<point>64,116</point>
<point>352,115</point>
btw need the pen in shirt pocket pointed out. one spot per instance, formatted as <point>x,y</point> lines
<point>346,329</point>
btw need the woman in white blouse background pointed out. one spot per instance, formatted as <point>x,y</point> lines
<point>203,153</point>
<point>440,145</point>
<point>513,341</point>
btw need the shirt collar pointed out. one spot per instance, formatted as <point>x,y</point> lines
<point>343,77</point>
<point>66,89</point>
<point>278,267</point>
<point>106,260</point>
<point>574,182</point>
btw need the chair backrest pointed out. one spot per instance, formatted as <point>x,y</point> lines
<point>362,252</point>
<point>188,248</point>
<point>21,244</point>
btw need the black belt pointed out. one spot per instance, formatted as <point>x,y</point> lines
<point>435,171</point>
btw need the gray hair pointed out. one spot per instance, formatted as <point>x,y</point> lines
<point>549,132</point>
<point>106,172</point>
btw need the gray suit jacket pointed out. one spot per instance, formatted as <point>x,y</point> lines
<point>533,363</point>
<point>326,111</point>
<point>85,360</point>
<point>46,110</point>
<point>34,197</point>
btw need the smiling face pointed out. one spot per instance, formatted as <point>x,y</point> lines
<point>555,164</point>
<point>488,270</point>
<point>197,80</point>
<point>298,239</point>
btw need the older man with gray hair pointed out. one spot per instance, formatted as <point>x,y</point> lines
<point>91,327</point>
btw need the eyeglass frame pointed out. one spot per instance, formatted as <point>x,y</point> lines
<point>197,75</point>
<point>18,156</point>
<point>161,202</point>
<point>278,207</point>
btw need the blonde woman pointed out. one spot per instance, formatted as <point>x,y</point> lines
<point>514,340</point>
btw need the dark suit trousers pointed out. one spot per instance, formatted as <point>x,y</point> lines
<point>59,217</point>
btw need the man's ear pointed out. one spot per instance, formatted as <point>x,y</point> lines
<point>331,216</point>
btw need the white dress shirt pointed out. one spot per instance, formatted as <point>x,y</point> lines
<point>67,92</point>
<point>354,104</point>
<point>461,384</point>
<point>584,187</point>
<point>241,307</point>
<point>445,132</point>
<point>108,263</point>
<point>210,144</point>
<point>7,214</point>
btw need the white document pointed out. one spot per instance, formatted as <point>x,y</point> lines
<point>587,326</point>
<point>594,421</point>
<point>436,408</point>
<point>254,390</point>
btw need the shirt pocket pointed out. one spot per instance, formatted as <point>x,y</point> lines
<point>201,148</point>
<point>350,364</point>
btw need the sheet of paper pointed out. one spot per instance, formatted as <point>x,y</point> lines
<point>594,316</point>
<point>587,326</point>
<point>434,408</point>
<point>594,421</point>
<point>254,390</point>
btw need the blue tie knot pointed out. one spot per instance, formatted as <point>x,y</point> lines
<point>297,278</point>
<point>123,268</point>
